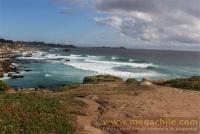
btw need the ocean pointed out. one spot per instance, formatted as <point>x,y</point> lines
<point>51,68</point>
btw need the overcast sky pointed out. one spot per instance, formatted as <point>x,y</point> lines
<point>156,24</point>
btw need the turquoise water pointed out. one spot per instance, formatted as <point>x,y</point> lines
<point>51,68</point>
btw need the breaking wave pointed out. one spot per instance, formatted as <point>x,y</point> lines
<point>98,64</point>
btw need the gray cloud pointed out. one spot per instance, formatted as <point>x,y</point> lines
<point>168,21</point>
<point>66,11</point>
<point>154,20</point>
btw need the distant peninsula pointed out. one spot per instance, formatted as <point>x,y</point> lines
<point>12,44</point>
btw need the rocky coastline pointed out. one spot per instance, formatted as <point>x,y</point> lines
<point>7,66</point>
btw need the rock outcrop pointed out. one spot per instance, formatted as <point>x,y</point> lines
<point>6,66</point>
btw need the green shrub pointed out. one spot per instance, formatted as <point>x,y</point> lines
<point>3,86</point>
<point>90,79</point>
<point>192,83</point>
<point>101,78</point>
<point>131,81</point>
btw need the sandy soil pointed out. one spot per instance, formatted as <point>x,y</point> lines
<point>122,101</point>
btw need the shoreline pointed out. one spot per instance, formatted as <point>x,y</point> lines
<point>190,83</point>
<point>29,54</point>
<point>10,68</point>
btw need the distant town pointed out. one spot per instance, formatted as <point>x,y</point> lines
<point>10,45</point>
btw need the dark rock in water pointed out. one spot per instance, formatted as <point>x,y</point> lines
<point>17,60</point>
<point>66,50</point>
<point>17,76</point>
<point>67,60</point>
<point>29,55</point>
<point>43,55</point>
<point>10,74</point>
<point>17,72</point>
<point>28,70</point>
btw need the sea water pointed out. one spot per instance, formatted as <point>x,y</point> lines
<point>51,68</point>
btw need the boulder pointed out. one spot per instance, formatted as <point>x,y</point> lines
<point>29,55</point>
<point>145,83</point>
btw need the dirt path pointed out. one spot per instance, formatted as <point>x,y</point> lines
<point>85,122</point>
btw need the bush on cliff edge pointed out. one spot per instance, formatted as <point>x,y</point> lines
<point>4,86</point>
<point>101,78</point>
<point>131,81</point>
<point>192,83</point>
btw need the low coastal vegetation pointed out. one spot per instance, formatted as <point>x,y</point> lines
<point>69,86</point>
<point>4,86</point>
<point>131,81</point>
<point>192,83</point>
<point>101,78</point>
<point>32,112</point>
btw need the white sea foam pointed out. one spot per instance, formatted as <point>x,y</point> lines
<point>96,64</point>
<point>91,56</point>
<point>131,60</point>
<point>36,55</point>
<point>47,75</point>
<point>5,76</point>
<point>39,55</point>
<point>136,65</point>
<point>114,58</point>
<point>109,69</point>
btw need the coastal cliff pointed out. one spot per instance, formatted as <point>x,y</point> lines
<point>81,108</point>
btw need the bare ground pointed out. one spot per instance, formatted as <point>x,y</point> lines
<point>123,101</point>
